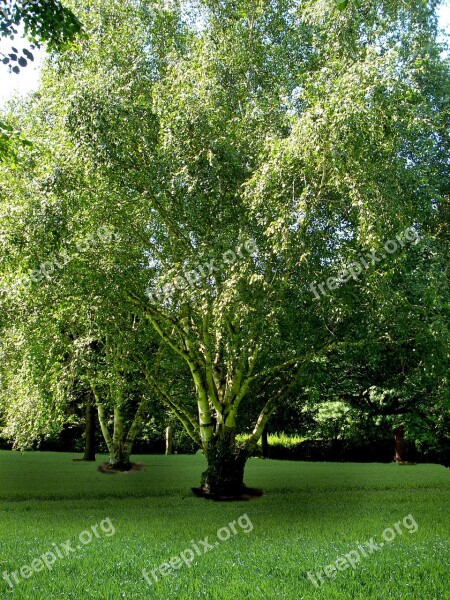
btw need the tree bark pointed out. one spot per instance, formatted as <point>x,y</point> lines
<point>119,457</point>
<point>265,443</point>
<point>399,444</point>
<point>119,451</point>
<point>89,442</point>
<point>224,475</point>
<point>169,440</point>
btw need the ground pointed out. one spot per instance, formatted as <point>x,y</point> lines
<point>98,532</point>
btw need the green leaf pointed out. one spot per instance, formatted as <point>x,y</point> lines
<point>341,4</point>
<point>6,127</point>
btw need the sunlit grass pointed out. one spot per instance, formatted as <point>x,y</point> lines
<point>278,439</point>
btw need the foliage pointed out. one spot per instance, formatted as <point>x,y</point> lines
<point>10,142</point>
<point>275,141</point>
<point>44,21</point>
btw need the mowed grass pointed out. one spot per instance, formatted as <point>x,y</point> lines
<point>310,514</point>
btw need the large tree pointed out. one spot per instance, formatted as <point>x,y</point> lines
<point>243,152</point>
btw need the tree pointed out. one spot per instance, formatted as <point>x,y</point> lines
<point>258,153</point>
<point>401,373</point>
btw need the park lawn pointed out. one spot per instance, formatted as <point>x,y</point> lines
<point>310,515</point>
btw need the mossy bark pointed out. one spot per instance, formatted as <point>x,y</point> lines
<point>224,475</point>
<point>119,457</point>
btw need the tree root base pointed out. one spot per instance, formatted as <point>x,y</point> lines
<point>245,493</point>
<point>107,468</point>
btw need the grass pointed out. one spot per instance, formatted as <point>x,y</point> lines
<point>310,514</point>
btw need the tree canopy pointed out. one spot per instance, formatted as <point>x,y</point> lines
<point>242,153</point>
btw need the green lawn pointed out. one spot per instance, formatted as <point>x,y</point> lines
<point>310,515</point>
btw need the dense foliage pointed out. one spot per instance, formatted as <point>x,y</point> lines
<point>274,178</point>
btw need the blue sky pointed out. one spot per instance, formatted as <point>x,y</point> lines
<point>28,79</point>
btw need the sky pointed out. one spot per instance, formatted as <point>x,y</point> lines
<point>28,79</point>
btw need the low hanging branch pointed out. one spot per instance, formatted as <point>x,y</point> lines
<point>265,415</point>
<point>182,413</point>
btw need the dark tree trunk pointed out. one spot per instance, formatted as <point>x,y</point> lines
<point>89,442</point>
<point>265,444</point>
<point>224,475</point>
<point>400,444</point>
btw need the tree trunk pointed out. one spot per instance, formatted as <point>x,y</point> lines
<point>224,475</point>
<point>400,444</point>
<point>119,450</point>
<point>119,457</point>
<point>119,444</point>
<point>265,444</point>
<point>89,442</point>
<point>169,440</point>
